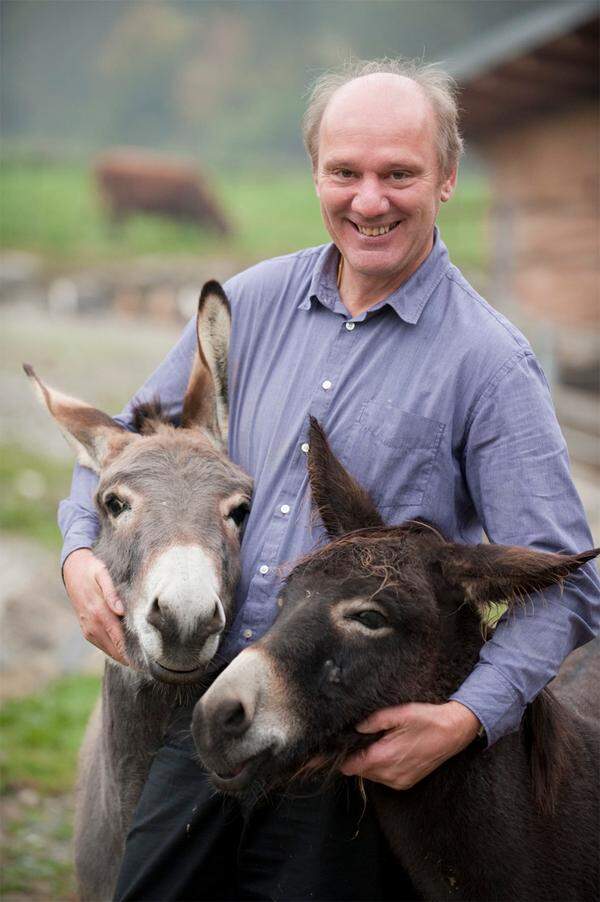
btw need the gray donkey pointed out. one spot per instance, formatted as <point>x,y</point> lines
<point>171,507</point>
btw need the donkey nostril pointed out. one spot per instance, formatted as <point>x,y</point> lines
<point>233,717</point>
<point>154,615</point>
<point>216,622</point>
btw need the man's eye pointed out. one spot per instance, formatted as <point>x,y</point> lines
<point>373,620</point>
<point>238,514</point>
<point>115,506</point>
<point>398,175</point>
<point>344,173</point>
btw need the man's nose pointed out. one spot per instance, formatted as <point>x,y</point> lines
<point>370,199</point>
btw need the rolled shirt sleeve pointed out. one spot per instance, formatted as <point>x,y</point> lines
<point>517,468</point>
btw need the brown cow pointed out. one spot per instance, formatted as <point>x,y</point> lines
<point>138,181</point>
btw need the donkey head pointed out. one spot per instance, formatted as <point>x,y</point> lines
<point>171,507</point>
<point>377,617</point>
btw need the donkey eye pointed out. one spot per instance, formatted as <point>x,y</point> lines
<point>238,514</point>
<point>373,620</point>
<point>115,505</point>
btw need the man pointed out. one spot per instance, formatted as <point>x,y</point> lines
<point>436,405</point>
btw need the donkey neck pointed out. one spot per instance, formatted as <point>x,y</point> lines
<point>461,637</point>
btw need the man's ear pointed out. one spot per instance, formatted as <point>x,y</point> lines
<point>448,185</point>
<point>343,504</point>
<point>484,574</point>
<point>93,435</point>
<point>315,178</point>
<point>206,399</point>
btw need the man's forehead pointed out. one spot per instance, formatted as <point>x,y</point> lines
<point>381,91</point>
<point>381,104</point>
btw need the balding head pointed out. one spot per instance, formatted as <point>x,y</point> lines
<point>364,87</point>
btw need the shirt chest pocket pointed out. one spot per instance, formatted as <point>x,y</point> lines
<point>392,453</point>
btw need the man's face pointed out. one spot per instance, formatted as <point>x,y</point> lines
<point>378,170</point>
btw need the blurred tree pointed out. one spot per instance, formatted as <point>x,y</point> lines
<point>138,62</point>
<point>213,78</point>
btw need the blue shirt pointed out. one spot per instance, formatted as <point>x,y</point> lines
<point>434,402</point>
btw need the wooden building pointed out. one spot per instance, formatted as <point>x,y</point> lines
<point>529,96</point>
<point>530,105</point>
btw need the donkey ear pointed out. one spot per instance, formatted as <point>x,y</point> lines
<point>92,434</point>
<point>343,504</point>
<point>206,400</point>
<point>488,573</point>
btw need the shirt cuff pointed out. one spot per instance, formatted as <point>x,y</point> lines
<point>493,700</point>
<point>76,539</point>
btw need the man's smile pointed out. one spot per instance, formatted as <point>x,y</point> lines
<point>374,231</point>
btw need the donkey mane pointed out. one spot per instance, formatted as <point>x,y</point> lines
<point>147,415</point>
<point>551,745</point>
<point>371,551</point>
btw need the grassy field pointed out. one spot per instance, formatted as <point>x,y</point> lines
<point>54,210</point>
<point>40,738</point>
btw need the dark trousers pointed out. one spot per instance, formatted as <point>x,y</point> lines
<point>188,842</point>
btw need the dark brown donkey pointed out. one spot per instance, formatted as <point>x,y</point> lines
<point>382,616</point>
<point>171,505</point>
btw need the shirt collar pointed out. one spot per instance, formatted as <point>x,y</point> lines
<point>407,301</point>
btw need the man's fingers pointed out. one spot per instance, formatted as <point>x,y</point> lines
<point>385,719</point>
<point>100,627</point>
<point>114,631</point>
<point>356,763</point>
<point>105,643</point>
<point>110,645</point>
<point>108,591</point>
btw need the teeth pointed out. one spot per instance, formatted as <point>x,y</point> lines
<point>381,230</point>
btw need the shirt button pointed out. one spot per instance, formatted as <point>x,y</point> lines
<point>305,446</point>
<point>285,508</point>
<point>326,385</point>
<point>350,326</point>
<point>247,634</point>
<point>263,568</point>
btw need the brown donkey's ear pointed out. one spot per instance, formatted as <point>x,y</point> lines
<point>489,573</point>
<point>343,505</point>
<point>92,434</point>
<point>206,400</point>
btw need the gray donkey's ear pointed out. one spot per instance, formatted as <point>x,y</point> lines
<point>206,398</point>
<point>92,434</point>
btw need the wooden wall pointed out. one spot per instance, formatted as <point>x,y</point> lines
<point>546,215</point>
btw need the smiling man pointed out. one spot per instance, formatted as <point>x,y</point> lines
<point>437,405</point>
<point>380,179</point>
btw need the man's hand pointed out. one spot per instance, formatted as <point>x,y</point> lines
<point>96,602</point>
<point>420,737</point>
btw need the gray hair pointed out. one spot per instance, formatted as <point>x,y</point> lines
<point>439,88</point>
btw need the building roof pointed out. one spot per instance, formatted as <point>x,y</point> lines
<point>536,63</point>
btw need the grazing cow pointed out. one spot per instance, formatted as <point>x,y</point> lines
<point>171,506</point>
<point>135,181</point>
<point>382,616</point>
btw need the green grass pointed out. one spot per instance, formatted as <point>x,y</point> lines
<point>53,209</point>
<point>36,855</point>
<point>30,488</point>
<point>41,735</point>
